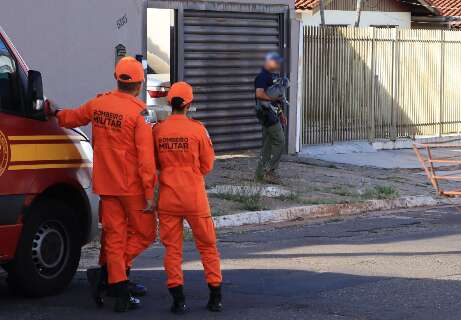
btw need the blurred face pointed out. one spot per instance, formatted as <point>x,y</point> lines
<point>272,66</point>
<point>186,108</point>
<point>138,90</point>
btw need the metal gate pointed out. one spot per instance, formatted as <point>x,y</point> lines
<point>370,83</point>
<point>222,55</point>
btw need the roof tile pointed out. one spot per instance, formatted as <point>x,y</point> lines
<point>306,4</point>
<point>447,8</point>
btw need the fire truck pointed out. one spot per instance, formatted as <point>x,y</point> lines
<point>47,209</point>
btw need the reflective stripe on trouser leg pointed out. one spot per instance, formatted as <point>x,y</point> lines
<point>205,241</point>
<point>114,225</point>
<point>171,235</point>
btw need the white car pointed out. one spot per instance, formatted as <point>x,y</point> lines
<point>158,86</point>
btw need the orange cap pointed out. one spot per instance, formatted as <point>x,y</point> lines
<point>181,90</point>
<point>129,70</point>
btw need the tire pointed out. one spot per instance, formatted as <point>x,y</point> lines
<point>7,266</point>
<point>48,252</point>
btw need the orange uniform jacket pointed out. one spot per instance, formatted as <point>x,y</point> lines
<point>184,156</point>
<point>123,161</point>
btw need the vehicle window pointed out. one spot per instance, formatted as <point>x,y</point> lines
<point>9,93</point>
<point>160,45</point>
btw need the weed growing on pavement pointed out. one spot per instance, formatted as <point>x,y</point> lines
<point>187,234</point>
<point>320,201</point>
<point>381,192</point>
<point>250,202</point>
<point>342,191</point>
<point>292,196</point>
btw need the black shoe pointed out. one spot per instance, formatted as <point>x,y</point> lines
<point>136,289</point>
<point>179,300</point>
<point>215,301</point>
<point>123,300</point>
<point>97,277</point>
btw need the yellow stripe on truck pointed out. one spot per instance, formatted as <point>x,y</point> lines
<point>43,138</point>
<point>49,166</point>
<point>44,152</point>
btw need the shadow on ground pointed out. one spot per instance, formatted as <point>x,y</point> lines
<point>263,294</point>
<point>418,252</point>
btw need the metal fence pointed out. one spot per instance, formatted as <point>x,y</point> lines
<point>371,83</point>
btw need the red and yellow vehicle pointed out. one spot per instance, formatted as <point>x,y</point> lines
<point>46,205</point>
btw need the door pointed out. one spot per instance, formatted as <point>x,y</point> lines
<point>223,53</point>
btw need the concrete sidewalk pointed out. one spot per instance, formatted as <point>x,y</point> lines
<point>368,155</point>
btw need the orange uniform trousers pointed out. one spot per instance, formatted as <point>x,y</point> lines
<point>126,232</point>
<point>171,235</point>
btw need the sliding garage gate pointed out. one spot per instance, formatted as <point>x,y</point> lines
<point>223,53</point>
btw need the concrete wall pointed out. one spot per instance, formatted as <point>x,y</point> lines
<point>336,17</point>
<point>72,42</point>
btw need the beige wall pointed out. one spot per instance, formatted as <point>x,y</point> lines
<point>367,18</point>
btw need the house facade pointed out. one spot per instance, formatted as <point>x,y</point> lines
<point>443,14</point>
<point>218,47</point>
<point>375,13</point>
<point>427,14</point>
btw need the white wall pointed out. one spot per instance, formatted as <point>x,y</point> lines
<point>402,19</point>
<point>72,42</point>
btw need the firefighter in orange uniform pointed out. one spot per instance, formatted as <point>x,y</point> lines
<point>123,175</point>
<point>184,155</point>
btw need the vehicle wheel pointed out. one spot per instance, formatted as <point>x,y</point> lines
<point>7,266</point>
<point>48,252</point>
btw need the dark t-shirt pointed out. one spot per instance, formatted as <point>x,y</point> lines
<point>264,80</point>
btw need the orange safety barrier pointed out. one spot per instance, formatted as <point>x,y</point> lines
<point>442,165</point>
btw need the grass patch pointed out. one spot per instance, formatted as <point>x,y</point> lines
<point>187,235</point>
<point>320,201</point>
<point>351,196</point>
<point>292,196</point>
<point>343,191</point>
<point>250,202</point>
<point>381,193</point>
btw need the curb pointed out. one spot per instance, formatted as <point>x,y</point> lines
<point>321,211</point>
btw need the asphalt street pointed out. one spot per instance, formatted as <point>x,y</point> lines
<point>391,265</point>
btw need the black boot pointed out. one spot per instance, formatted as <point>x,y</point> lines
<point>123,300</point>
<point>97,277</point>
<point>136,289</point>
<point>179,300</point>
<point>215,302</point>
